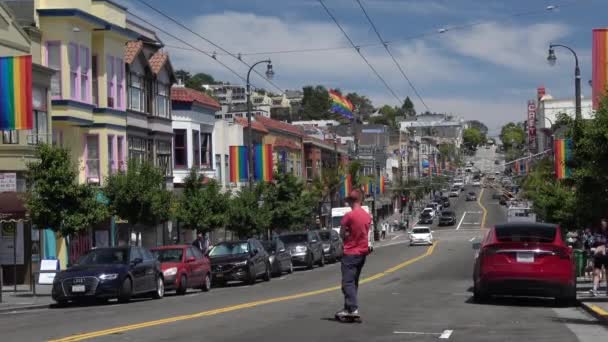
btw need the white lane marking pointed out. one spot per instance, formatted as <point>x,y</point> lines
<point>474,212</point>
<point>396,237</point>
<point>415,333</point>
<point>446,334</point>
<point>462,219</point>
<point>470,223</point>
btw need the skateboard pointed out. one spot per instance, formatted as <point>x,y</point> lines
<point>349,319</point>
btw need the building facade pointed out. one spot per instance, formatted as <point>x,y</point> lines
<point>288,146</point>
<point>547,113</point>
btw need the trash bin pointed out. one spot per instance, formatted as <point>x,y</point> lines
<point>579,261</point>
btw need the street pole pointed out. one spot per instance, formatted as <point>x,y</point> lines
<point>249,128</point>
<point>577,84</point>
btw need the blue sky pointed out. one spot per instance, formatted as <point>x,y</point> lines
<point>485,71</point>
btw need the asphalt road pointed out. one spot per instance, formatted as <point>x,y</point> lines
<point>408,294</point>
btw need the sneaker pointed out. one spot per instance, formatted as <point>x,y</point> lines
<point>593,292</point>
<point>355,313</point>
<point>343,313</point>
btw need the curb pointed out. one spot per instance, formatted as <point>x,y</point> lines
<point>595,311</point>
<point>24,307</point>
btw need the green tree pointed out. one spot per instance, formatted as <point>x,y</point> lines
<point>479,125</point>
<point>362,103</point>
<point>512,136</point>
<point>315,103</point>
<point>407,108</point>
<point>247,216</point>
<point>472,137</point>
<point>54,199</point>
<point>138,195</point>
<point>291,208</point>
<point>202,207</point>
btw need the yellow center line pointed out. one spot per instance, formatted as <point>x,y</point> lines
<point>120,329</point>
<point>598,310</point>
<point>485,211</point>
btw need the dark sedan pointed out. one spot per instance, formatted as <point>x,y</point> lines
<point>425,218</point>
<point>447,218</point>
<point>305,247</point>
<point>245,261</point>
<point>280,258</point>
<point>105,273</point>
<point>333,248</point>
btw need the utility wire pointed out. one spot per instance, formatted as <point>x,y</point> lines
<point>371,22</point>
<point>209,41</point>
<point>358,49</point>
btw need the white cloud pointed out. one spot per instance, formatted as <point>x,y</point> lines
<point>521,48</point>
<point>411,6</point>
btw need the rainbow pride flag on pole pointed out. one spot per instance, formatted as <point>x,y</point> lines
<point>341,105</point>
<point>380,187</point>
<point>346,186</point>
<point>16,93</point>
<point>563,153</point>
<point>238,164</point>
<point>262,161</point>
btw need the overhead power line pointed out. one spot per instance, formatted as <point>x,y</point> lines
<point>371,22</point>
<point>358,49</point>
<point>237,57</point>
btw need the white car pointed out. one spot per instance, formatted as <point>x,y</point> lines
<point>455,192</point>
<point>421,236</point>
<point>476,183</point>
<point>431,211</point>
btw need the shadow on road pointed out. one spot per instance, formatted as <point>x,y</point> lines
<point>532,302</point>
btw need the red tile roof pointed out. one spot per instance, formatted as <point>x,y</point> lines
<point>132,48</point>
<point>282,142</point>
<point>183,94</point>
<point>254,124</point>
<point>157,61</point>
<point>272,124</point>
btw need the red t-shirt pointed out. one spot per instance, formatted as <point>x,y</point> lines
<point>356,229</point>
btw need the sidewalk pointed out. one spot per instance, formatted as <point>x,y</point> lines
<point>24,299</point>
<point>596,306</point>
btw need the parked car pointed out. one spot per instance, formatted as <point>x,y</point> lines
<point>244,260</point>
<point>279,257</point>
<point>184,267</point>
<point>333,247</point>
<point>104,273</point>
<point>426,218</point>
<point>421,236</point>
<point>471,196</point>
<point>525,258</point>
<point>447,218</point>
<point>306,248</point>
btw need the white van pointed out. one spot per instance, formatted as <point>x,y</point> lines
<point>336,217</point>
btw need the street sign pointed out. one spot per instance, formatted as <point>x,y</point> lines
<point>8,182</point>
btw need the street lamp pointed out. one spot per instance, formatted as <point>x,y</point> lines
<point>269,75</point>
<point>551,59</point>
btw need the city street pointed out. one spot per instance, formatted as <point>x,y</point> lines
<point>408,294</point>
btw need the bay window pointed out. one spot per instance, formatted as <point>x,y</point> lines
<point>120,153</point>
<point>206,151</point>
<point>73,61</point>
<point>196,149</point>
<point>119,74</point>
<point>163,157</point>
<point>53,61</point>
<point>111,80</point>
<point>179,148</point>
<point>78,59</point>
<point>136,92</point>
<point>162,100</point>
<point>84,69</point>
<point>111,155</point>
<point>92,159</point>
<point>138,149</point>
<point>40,128</point>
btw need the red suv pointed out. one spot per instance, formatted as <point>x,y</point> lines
<point>184,267</point>
<point>525,259</point>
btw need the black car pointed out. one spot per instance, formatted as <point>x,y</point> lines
<point>425,218</point>
<point>244,260</point>
<point>280,259</point>
<point>306,248</point>
<point>445,201</point>
<point>104,273</point>
<point>447,218</point>
<point>333,248</point>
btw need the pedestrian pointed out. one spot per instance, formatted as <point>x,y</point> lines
<point>383,236</point>
<point>354,231</point>
<point>201,242</point>
<point>600,259</point>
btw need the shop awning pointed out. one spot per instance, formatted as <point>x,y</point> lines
<point>12,206</point>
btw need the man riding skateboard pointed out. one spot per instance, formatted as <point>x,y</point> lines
<point>354,231</point>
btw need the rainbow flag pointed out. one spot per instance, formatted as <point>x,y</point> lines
<point>517,167</point>
<point>238,164</point>
<point>347,186</point>
<point>380,187</point>
<point>563,152</point>
<point>16,93</point>
<point>367,188</point>
<point>341,105</point>
<point>262,162</point>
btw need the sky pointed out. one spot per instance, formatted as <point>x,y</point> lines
<point>476,59</point>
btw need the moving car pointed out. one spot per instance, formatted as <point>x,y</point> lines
<point>333,248</point>
<point>421,236</point>
<point>336,217</point>
<point>525,258</point>
<point>447,218</point>
<point>471,196</point>
<point>445,201</point>
<point>184,267</point>
<point>104,273</point>
<point>279,257</point>
<point>476,182</point>
<point>306,248</point>
<point>244,260</point>
<point>426,218</point>
<point>455,191</point>
<point>430,209</point>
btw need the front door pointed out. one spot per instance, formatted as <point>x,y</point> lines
<point>138,270</point>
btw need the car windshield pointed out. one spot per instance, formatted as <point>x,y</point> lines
<point>229,248</point>
<point>294,238</point>
<point>425,214</point>
<point>168,255</point>
<point>523,233</point>
<point>421,231</point>
<point>325,236</point>
<point>106,256</point>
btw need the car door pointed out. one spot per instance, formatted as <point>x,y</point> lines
<point>263,256</point>
<point>197,268</point>
<point>337,242</point>
<point>150,265</point>
<point>315,243</point>
<point>138,269</point>
<point>282,255</point>
<point>255,259</point>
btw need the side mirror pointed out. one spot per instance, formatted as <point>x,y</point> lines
<point>191,259</point>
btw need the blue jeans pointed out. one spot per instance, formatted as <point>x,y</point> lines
<point>351,270</point>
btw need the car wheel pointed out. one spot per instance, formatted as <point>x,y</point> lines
<point>126,290</point>
<point>206,283</point>
<point>322,261</point>
<point>290,270</point>
<point>479,296</point>
<point>567,300</point>
<point>267,274</point>
<point>311,262</point>
<point>160,288</point>
<point>183,285</point>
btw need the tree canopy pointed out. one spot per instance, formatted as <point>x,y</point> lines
<point>472,137</point>
<point>407,108</point>
<point>315,103</point>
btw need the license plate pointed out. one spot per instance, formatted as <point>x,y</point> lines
<point>525,257</point>
<point>78,288</point>
<point>219,275</point>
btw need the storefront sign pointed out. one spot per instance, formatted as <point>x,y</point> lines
<point>8,182</point>
<point>532,124</point>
